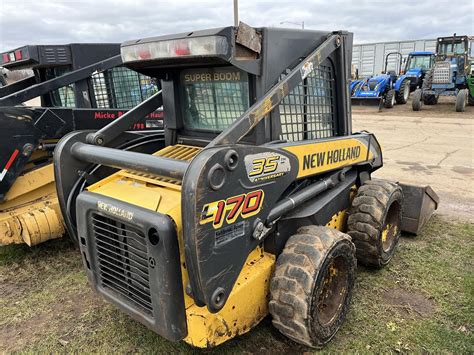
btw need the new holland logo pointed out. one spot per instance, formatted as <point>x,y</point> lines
<point>116,211</point>
<point>318,157</point>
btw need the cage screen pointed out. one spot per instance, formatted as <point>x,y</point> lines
<point>308,112</point>
<point>214,97</point>
<point>121,88</point>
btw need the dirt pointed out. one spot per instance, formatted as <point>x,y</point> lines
<point>409,304</point>
<point>433,147</point>
<point>445,109</point>
<point>71,305</point>
<point>16,335</point>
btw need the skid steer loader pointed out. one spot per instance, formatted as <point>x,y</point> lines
<point>258,200</point>
<point>76,86</point>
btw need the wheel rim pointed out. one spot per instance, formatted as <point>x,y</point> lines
<point>393,100</point>
<point>333,291</point>
<point>406,92</point>
<point>391,227</point>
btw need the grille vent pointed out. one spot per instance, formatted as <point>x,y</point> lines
<point>123,262</point>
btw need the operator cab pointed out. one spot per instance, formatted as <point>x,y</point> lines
<point>422,60</point>
<point>210,78</point>
<point>455,49</point>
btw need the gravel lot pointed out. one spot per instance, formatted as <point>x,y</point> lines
<point>431,147</point>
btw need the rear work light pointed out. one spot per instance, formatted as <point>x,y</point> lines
<point>185,47</point>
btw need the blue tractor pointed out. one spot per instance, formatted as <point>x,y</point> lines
<point>416,66</point>
<point>384,89</point>
<point>450,74</point>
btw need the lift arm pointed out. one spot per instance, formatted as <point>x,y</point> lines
<point>56,83</point>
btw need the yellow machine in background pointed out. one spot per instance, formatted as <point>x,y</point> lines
<point>30,212</point>
<point>78,86</point>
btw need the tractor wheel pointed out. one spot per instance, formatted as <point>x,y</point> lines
<point>430,99</point>
<point>374,222</point>
<point>461,99</point>
<point>417,102</point>
<point>470,100</point>
<point>402,95</point>
<point>312,285</point>
<point>427,80</point>
<point>389,99</point>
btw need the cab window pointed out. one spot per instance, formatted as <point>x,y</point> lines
<point>423,62</point>
<point>213,98</point>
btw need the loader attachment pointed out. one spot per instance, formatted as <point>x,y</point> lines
<point>367,101</point>
<point>418,206</point>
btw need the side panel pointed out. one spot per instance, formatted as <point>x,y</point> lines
<point>219,223</point>
<point>320,157</point>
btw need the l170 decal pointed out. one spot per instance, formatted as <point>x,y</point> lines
<point>244,205</point>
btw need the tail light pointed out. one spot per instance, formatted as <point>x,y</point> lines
<point>187,47</point>
<point>18,54</point>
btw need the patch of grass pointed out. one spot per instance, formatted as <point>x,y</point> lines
<point>47,306</point>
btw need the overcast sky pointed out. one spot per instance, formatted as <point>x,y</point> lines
<point>65,21</point>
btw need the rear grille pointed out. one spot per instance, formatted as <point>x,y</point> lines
<point>178,152</point>
<point>122,260</point>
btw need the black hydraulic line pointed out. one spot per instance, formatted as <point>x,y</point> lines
<point>43,88</point>
<point>47,147</point>
<point>291,202</point>
<point>125,122</point>
<point>137,162</point>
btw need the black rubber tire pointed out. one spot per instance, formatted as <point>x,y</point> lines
<point>403,94</point>
<point>376,208</point>
<point>461,99</point>
<point>427,80</point>
<point>389,100</point>
<point>430,99</point>
<point>470,100</point>
<point>299,288</point>
<point>417,102</point>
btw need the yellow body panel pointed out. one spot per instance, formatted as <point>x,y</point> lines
<point>247,304</point>
<point>30,212</point>
<point>323,156</point>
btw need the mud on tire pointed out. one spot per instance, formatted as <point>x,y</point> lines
<point>312,285</point>
<point>374,222</point>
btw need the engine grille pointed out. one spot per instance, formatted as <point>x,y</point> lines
<point>122,260</point>
<point>178,152</point>
<point>442,73</point>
